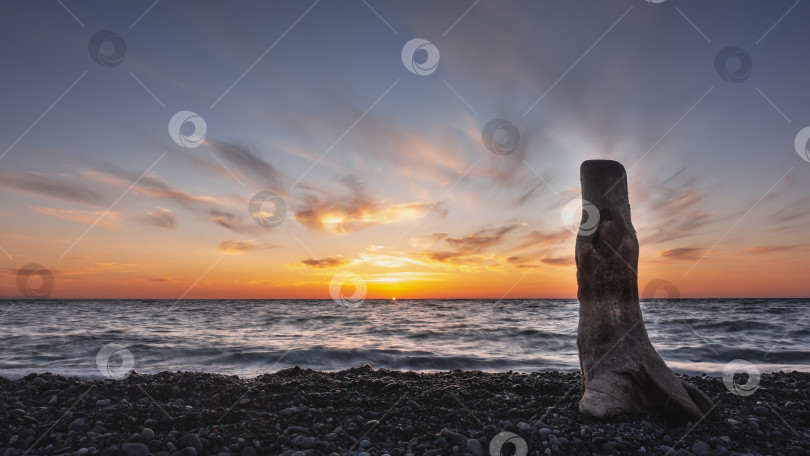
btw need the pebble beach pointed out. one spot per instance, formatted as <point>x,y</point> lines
<point>372,412</point>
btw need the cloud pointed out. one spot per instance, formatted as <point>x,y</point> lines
<point>559,261</point>
<point>323,263</point>
<point>481,240</point>
<point>248,163</point>
<point>536,239</point>
<point>355,211</point>
<point>106,219</point>
<point>678,226</point>
<point>52,187</point>
<point>769,249</point>
<point>683,253</point>
<point>160,217</point>
<point>238,247</point>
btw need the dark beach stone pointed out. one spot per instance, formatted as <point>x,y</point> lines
<point>248,451</point>
<point>761,411</point>
<point>474,447</point>
<point>191,440</point>
<point>148,434</point>
<point>135,449</point>
<point>701,448</point>
<point>454,437</point>
<point>79,425</point>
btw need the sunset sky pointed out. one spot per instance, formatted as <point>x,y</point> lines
<point>384,172</point>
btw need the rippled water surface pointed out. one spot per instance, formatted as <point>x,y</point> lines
<point>247,338</point>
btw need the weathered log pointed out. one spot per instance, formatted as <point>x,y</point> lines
<point>621,371</point>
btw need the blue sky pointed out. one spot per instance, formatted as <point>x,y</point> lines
<point>281,84</point>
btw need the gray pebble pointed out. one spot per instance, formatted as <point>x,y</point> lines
<point>524,426</point>
<point>701,448</point>
<point>248,451</point>
<point>135,449</point>
<point>545,431</point>
<point>474,447</point>
<point>148,434</point>
<point>78,425</point>
<point>103,402</point>
<point>191,440</point>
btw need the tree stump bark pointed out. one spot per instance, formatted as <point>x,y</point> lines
<point>621,371</point>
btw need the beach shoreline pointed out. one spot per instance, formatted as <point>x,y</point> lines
<point>366,411</point>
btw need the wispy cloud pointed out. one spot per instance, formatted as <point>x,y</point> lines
<point>355,211</point>
<point>238,247</point>
<point>322,263</point>
<point>160,217</point>
<point>249,163</point>
<point>769,248</point>
<point>111,220</point>
<point>65,188</point>
<point>683,253</point>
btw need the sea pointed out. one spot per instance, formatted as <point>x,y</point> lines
<point>247,338</point>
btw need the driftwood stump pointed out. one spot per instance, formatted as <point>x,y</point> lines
<point>621,371</point>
